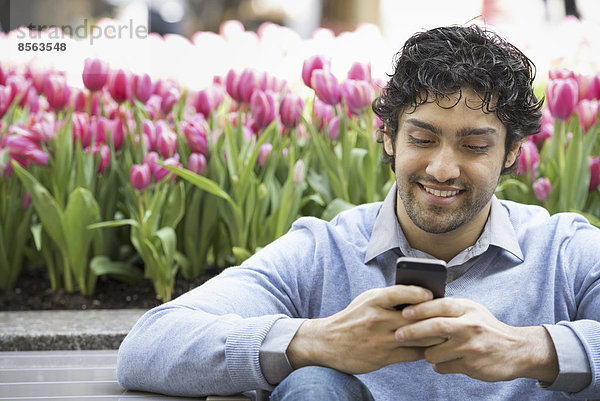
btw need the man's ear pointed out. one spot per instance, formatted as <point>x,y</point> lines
<point>388,143</point>
<point>513,153</point>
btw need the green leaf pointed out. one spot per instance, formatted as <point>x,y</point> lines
<point>45,205</point>
<point>114,223</point>
<point>81,211</point>
<point>102,265</point>
<point>335,207</point>
<point>174,208</point>
<point>168,240</point>
<point>201,182</point>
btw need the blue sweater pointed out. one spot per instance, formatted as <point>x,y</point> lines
<point>542,270</point>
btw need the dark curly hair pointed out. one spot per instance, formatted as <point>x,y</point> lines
<point>439,62</point>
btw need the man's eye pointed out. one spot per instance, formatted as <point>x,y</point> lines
<point>419,141</point>
<point>477,149</point>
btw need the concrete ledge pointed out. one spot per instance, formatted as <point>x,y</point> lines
<point>65,330</point>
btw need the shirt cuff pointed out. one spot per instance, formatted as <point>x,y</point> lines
<point>574,370</point>
<point>274,363</point>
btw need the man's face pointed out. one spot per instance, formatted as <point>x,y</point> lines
<point>448,161</point>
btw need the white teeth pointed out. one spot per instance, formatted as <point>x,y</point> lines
<point>442,194</point>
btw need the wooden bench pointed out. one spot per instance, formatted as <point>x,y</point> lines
<point>71,375</point>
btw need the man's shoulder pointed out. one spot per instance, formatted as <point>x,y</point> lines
<point>359,218</point>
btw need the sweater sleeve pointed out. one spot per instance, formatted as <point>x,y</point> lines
<point>208,340</point>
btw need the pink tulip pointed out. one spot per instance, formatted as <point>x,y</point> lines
<point>326,86</point>
<point>3,75</point>
<point>542,188</point>
<point>19,85</point>
<point>562,73</point>
<point>209,99</point>
<point>232,80</point>
<point>152,106</point>
<point>358,95</point>
<point>149,132</point>
<point>195,133</point>
<point>18,144</point>
<point>166,139</point>
<point>270,82</point>
<point>151,159</point>
<point>118,86</point>
<point>290,109</point>
<point>263,153</point>
<point>322,113</point>
<point>311,64</point>
<point>334,128</point>
<point>360,71</point>
<point>197,163</point>
<point>594,163</point>
<point>263,107</point>
<point>44,127</point>
<point>57,92</point>
<point>589,86</point>
<point>117,132</point>
<point>95,105</point>
<point>562,95</point>
<point>545,133</point>
<point>104,160</point>
<point>142,87</point>
<point>529,159</point>
<point>170,97</point>
<point>160,172</point>
<point>248,83</point>
<point>5,100</point>
<point>97,129</point>
<point>80,124</point>
<point>78,100</point>
<point>37,156</point>
<point>139,176</point>
<point>95,74</point>
<point>587,110</point>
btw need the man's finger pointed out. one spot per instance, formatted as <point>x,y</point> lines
<point>434,327</point>
<point>402,294</point>
<point>441,307</point>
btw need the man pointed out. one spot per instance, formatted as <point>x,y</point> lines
<point>311,316</point>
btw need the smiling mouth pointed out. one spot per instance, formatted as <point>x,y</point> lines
<point>441,194</point>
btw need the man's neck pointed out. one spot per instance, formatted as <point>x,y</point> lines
<point>447,245</point>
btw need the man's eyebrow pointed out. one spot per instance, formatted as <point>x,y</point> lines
<point>461,133</point>
<point>422,124</point>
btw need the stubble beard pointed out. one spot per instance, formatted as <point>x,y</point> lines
<point>436,219</point>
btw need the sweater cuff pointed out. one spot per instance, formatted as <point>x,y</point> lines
<point>242,352</point>
<point>273,358</point>
<point>574,372</point>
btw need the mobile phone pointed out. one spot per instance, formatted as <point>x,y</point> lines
<point>427,273</point>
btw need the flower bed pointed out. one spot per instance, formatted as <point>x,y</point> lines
<point>135,176</point>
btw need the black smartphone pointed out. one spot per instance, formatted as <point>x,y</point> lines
<point>427,273</point>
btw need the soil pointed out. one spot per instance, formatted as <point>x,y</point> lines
<point>32,292</point>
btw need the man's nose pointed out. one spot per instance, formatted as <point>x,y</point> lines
<point>443,165</point>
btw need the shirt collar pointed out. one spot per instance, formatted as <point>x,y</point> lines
<point>387,234</point>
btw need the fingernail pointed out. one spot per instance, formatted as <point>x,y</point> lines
<point>408,313</point>
<point>399,335</point>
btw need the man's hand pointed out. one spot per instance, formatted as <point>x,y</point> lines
<point>479,345</point>
<point>360,338</point>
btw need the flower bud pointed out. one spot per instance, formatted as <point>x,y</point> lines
<point>142,87</point>
<point>357,94</point>
<point>95,74</point>
<point>79,101</point>
<point>542,188</point>
<point>197,163</point>
<point>140,176</point>
<point>118,86</point>
<point>195,133</point>
<point>248,83</point>
<point>263,153</point>
<point>57,92</point>
<point>209,99</point>
<point>311,64</point>
<point>80,124</point>
<point>562,95</point>
<point>299,172</point>
<point>587,110</point>
<point>166,139</point>
<point>263,107</point>
<point>322,113</point>
<point>149,131</point>
<point>161,172</point>
<point>333,129</point>
<point>291,109</point>
<point>232,80</point>
<point>360,71</point>
<point>529,159</point>
<point>326,86</point>
<point>589,86</point>
<point>36,156</point>
<point>594,163</point>
<point>169,99</point>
